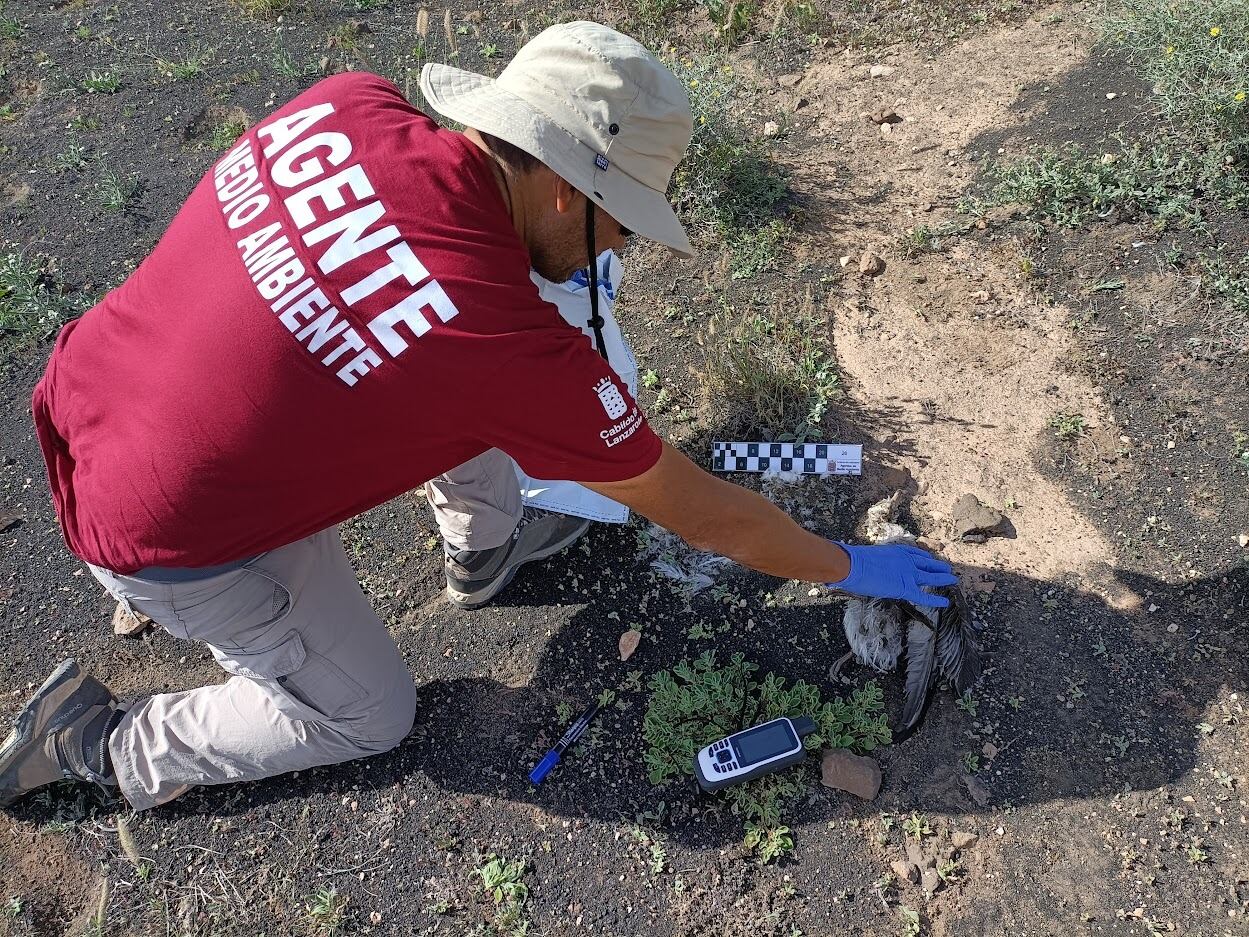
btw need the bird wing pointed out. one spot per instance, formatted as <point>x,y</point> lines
<point>958,656</point>
<point>921,654</point>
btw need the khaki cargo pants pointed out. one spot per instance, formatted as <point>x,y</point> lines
<point>315,678</point>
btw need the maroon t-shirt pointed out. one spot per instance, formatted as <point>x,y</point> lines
<point>340,311</point>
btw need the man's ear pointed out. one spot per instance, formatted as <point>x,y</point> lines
<point>567,197</point>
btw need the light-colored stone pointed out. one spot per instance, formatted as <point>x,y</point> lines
<point>128,625</point>
<point>989,750</point>
<point>961,839</point>
<point>1243,540</point>
<point>845,260</point>
<point>881,71</point>
<point>771,128</point>
<point>971,518</point>
<point>915,853</point>
<point>905,871</point>
<point>870,263</point>
<point>929,881</point>
<point>629,643</point>
<point>846,771</point>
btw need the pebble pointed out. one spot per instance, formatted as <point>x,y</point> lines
<point>970,518</point>
<point>915,853</point>
<point>930,881</point>
<point>871,263</point>
<point>845,771</point>
<point>905,871</point>
<point>629,643</point>
<point>961,839</point>
<point>1111,95</point>
<point>1243,540</point>
<point>771,128</point>
<point>881,71</point>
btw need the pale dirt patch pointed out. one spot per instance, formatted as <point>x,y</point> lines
<point>962,360</point>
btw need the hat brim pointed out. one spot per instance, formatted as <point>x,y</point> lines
<point>477,101</point>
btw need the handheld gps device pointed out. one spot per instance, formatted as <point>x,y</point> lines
<point>753,752</point>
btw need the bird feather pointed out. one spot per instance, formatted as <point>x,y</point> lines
<point>921,654</point>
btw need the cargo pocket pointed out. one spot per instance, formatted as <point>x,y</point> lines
<point>268,663</point>
<point>323,686</point>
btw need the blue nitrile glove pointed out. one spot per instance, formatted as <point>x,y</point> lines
<point>896,571</point>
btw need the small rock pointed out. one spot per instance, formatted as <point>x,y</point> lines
<point>880,71</point>
<point>925,206</point>
<point>916,854</point>
<point>886,130</point>
<point>905,871</point>
<point>884,115</point>
<point>375,918</point>
<point>1111,95</point>
<point>978,792</point>
<point>871,263</point>
<point>10,517</point>
<point>629,643</point>
<point>845,260</point>
<point>961,839</point>
<point>970,517</point>
<point>128,625</point>
<point>846,771</point>
<point>1109,159</point>
<point>1243,540</point>
<point>989,750</point>
<point>790,81</point>
<point>771,128</point>
<point>930,881</point>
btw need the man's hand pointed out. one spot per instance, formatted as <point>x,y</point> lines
<point>896,571</point>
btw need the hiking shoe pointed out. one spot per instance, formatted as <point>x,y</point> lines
<point>474,577</point>
<point>61,733</point>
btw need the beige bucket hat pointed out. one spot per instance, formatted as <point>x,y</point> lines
<point>595,107</point>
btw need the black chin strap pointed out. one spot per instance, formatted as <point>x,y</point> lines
<point>596,321</point>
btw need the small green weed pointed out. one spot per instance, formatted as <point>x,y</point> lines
<point>1195,852</point>
<point>909,918</point>
<point>101,83</point>
<point>775,374</point>
<point>1193,53</point>
<point>11,27</point>
<point>698,702</point>
<point>726,186</point>
<point>916,826</point>
<point>116,192</point>
<point>192,66</point>
<point>968,704</point>
<point>225,133</point>
<point>326,910</point>
<point>73,156</point>
<point>755,252</point>
<point>262,8</point>
<point>30,303</point>
<point>1067,426</point>
<point>502,881</point>
<point>14,906</point>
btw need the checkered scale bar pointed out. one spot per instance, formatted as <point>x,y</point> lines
<point>803,458</point>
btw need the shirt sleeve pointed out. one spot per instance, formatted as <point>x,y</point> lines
<point>563,414</point>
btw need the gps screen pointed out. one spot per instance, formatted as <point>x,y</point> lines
<point>763,742</point>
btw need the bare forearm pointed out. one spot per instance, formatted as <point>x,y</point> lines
<point>751,530</point>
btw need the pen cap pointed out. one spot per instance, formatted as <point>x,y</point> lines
<point>544,767</point>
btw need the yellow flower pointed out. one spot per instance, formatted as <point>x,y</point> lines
<point>702,120</point>
<point>1170,50</point>
<point>1240,95</point>
<point>1216,31</point>
<point>693,82</point>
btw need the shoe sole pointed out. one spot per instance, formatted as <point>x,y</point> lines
<point>26,727</point>
<point>473,600</point>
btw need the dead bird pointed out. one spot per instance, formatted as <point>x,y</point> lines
<point>940,642</point>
